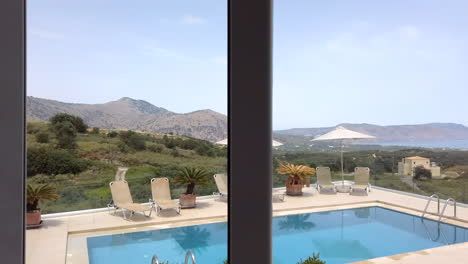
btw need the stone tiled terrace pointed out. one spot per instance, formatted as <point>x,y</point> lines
<point>48,244</point>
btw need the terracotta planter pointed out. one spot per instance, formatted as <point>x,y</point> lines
<point>33,217</point>
<point>294,189</point>
<point>187,200</point>
<point>307,181</point>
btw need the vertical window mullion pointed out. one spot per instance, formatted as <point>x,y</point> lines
<point>12,131</point>
<point>250,179</point>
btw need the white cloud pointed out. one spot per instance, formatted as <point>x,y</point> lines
<point>193,20</point>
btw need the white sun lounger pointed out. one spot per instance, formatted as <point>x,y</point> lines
<point>324,180</point>
<point>221,182</point>
<point>161,193</point>
<point>122,199</point>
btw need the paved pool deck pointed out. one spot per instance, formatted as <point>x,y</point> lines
<point>49,243</point>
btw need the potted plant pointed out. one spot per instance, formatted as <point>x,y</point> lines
<point>191,177</point>
<point>307,181</point>
<point>296,173</point>
<point>35,194</point>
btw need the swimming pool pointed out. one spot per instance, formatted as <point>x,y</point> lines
<point>339,236</point>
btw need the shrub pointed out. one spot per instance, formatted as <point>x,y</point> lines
<point>175,153</point>
<point>220,152</point>
<point>123,147</point>
<point>42,137</point>
<point>312,260</point>
<point>76,121</point>
<point>420,173</point>
<point>158,148</point>
<point>204,150</point>
<point>95,131</point>
<point>133,140</point>
<point>112,134</point>
<point>40,179</point>
<point>52,162</point>
<point>72,194</point>
<point>140,192</point>
<point>189,144</point>
<point>170,144</point>
<point>35,127</point>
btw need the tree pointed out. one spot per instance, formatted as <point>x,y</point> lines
<point>421,173</point>
<point>65,133</point>
<point>76,121</point>
<point>42,137</point>
<point>133,140</point>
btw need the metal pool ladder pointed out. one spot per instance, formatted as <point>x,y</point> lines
<point>450,199</point>
<point>155,259</point>
<point>189,255</point>
<point>429,201</point>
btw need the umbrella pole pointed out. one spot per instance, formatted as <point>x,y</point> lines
<point>342,171</point>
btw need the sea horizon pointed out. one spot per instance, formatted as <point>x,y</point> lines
<point>451,144</point>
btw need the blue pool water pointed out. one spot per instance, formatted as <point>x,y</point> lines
<point>339,236</point>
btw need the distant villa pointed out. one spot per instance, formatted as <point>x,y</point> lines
<point>406,166</point>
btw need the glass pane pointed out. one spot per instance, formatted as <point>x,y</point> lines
<point>126,132</point>
<point>368,96</point>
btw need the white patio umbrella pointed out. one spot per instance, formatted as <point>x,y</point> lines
<point>274,143</point>
<point>340,133</point>
<point>222,142</point>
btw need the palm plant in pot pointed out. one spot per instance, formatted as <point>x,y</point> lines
<point>191,177</point>
<point>297,174</point>
<point>35,194</point>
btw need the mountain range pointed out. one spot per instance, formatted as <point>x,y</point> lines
<point>394,133</point>
<point>128,113</point>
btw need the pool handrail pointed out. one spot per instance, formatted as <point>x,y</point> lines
<point>155,259</point>
<point>429,201</point>
<point>190,254</point>
<point>450,199</point>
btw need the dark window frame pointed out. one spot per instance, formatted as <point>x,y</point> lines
<point>249,122</point>
<point>250,131</point>
<point>12,134</point>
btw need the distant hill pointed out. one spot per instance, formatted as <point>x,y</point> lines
<point>397,133</point>
<point>128,113</point>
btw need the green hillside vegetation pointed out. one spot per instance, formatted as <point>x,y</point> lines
<point>80,162</point>
<point>81,165</point>
<point>384,169</point>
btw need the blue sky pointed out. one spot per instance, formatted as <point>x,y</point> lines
<point>360,61</point>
